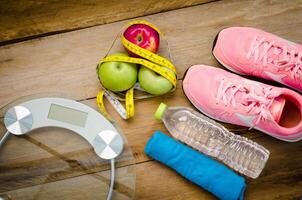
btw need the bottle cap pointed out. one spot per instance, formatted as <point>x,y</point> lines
<point>160,111</point>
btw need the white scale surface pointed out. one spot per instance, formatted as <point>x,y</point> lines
<point>67,114</point>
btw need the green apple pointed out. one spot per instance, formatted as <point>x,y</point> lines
<point>118,76</point>
<point>152,82</point>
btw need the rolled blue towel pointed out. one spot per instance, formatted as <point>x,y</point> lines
<point>196,167</point>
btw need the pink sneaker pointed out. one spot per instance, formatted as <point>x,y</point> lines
<point>257,53</point>
<point>227,97</point>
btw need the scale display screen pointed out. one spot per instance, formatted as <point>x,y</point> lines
<point>67,115</point>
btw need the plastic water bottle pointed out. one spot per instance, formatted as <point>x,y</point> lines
<point>213,139</point>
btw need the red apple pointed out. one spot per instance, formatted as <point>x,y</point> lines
<point>143,36</point>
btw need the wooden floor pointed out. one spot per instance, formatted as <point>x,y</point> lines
<point>53,46</point>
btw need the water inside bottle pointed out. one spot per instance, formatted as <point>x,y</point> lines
<point>211,138</point>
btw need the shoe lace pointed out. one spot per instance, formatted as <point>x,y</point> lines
<point>289,61</point>
<point>255,99</point>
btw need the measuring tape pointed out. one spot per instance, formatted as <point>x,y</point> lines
<point>147,59</point>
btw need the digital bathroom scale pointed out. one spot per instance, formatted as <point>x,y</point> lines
<point>43,154</point>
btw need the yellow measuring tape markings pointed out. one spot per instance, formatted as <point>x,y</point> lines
<point>148,54</point>
<point>130,103</point>
<point>148,59</point>
<point>158,69</point>
<point>100,103</point>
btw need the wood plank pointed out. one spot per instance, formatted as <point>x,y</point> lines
<point>43,152</point>
<point>279,180</point>
<point>88,186</point>
<point>52,150</point>
<point>66,63</point>
<point>29,19</point>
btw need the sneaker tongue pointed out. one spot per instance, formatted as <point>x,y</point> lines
<point>276,108</point>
